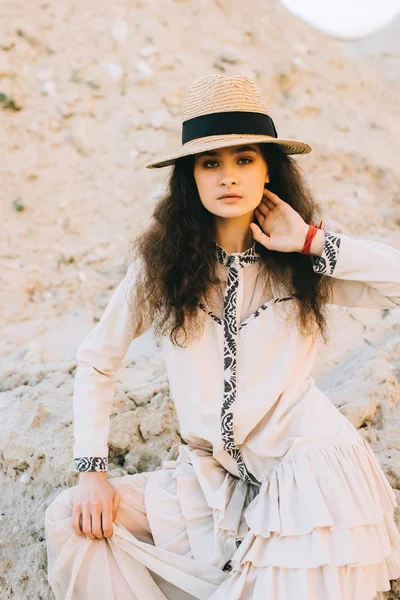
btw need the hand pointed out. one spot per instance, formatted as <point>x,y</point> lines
<point>283,229</point>
<point>95,505</point>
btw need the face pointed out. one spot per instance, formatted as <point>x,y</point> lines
<point>239,170</point>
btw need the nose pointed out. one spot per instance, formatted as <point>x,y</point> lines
<point>229,179</point>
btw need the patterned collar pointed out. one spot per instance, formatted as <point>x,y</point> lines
<point>237,259</point>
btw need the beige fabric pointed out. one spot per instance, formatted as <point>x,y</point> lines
<point>320,525</point>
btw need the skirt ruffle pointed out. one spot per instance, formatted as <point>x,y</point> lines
<point>321,527</point>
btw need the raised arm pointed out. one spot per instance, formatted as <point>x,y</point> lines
<point>99,356</point>
<point>365,273</point>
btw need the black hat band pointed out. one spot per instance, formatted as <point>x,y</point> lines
<point>226,123</point>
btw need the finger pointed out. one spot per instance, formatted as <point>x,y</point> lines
<point>259,216</point>
<point>87,523</point>
<point>106,522</point>
<point>267,202</point>
<point>96,522</point>
<point>273,197</point>
<point>262,208</point>
<point>77,520</point>
<point>116,501</point>
<point>258,235</point>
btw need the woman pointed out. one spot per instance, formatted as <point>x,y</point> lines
<point>274,493</point>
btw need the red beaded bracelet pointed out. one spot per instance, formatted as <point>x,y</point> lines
<point>311,233</point>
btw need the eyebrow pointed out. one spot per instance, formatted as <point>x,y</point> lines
<point>232,151</point>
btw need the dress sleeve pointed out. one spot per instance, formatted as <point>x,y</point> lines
<point>99,356</point>
<point>365,273</point>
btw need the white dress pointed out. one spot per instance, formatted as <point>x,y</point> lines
<point>274,493</point>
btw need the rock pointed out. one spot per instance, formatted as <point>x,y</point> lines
<point>144,72</point>
<point>79,137</point>
<point>298,61</point>
<point>124,430</point>
<point>114,70</point>
<point>36,353</point>
<point>40,416</point>
<point>25,478</point>
<point>358,414</point>
<point>120,31</point>
<point>148,51</point>
<point>231,56</point>
<point>49,89</point>
<point>5,67</point>
<point>160,417</point>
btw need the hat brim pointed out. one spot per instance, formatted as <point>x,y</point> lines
<point>224,141</point>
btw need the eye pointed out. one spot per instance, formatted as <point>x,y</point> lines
<point>207,162</point>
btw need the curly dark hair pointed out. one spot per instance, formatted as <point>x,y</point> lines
<point>177,254</point>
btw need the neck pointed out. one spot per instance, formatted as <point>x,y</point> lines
<point>234,235</point>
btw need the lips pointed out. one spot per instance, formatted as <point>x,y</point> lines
<point>229,196</point>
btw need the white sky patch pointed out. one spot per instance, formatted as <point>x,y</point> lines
<point>345,19</point>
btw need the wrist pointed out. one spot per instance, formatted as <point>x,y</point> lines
<point>317,243</point>
<point>302,238</point>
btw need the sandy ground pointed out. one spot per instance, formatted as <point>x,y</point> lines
<point>94,90</point>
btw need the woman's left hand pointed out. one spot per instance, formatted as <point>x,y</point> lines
<point>282,228</point>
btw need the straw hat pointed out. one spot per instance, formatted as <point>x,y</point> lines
<point>226,110</point>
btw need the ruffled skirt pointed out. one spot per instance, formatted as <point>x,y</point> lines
<point>319,527</point>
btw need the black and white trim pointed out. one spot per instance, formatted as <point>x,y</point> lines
<point>91,463</point>
<point>326,263</point>
<point>214,317</point>
<point>234,262</point>
<point>264,306</point>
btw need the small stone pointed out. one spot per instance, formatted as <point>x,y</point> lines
<point>114,70</point>
<point>298,61</point>
<point>49,89</point>
<point>41,415</point>
<point>145,73</point>
<point>25,478</point>
<point>147,51</point>
<point>64,110</point>
<point>120,31</point>
<point>80,139</point>
<point>231,56</point>
<point>5,67</point>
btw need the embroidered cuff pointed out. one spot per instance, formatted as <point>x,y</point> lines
<point>91,463</point>
<point>325,264</point>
